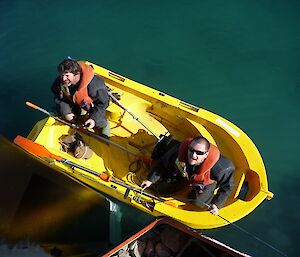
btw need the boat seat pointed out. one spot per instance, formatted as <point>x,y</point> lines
<point>202,130</point>
<point>133,103</point>
<point>123,123</point>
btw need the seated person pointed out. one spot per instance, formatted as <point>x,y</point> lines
<point>197,164</point>
<point>78,90</point>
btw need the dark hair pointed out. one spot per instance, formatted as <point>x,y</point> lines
<point>201,140</point>
<point>69,65</point>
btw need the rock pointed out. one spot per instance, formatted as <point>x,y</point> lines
<point>162,251</point>
<point>150,250</point>
<point>173,239</point>
<point>137,248</point>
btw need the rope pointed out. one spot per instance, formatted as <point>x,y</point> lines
<point>137,168</point>
<point>134,171</point>
<point>245,231</point>
<point>85,152</point>
<point>140,194</point>
<point>254,236</point>
<point>130,179</point>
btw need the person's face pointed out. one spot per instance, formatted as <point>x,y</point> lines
<point>69,78</point>
<point>196,153</point>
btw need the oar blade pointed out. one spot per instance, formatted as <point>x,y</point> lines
<point>34,148</point>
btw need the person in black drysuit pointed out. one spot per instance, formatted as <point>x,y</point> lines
<point>198,164</point>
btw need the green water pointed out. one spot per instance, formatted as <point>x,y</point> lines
<point>239,59</point>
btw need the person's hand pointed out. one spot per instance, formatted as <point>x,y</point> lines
<point>90,123</point>
<point>145,184</point>
<point>65,89</point>
<point>69,117</point>
<point>214,209</point>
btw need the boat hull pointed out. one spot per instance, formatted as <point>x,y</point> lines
<point>180,240</point>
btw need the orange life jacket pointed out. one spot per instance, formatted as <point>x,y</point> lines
<point>202,176</point>
<point>81,96</point>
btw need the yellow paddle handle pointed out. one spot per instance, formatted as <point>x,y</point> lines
<point>31,105</point>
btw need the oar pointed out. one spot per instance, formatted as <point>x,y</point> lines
<point>81,129</point>
<point>41,151</point>
<point>50,114</point>
<point>105,177</point>
<point>131,113</point>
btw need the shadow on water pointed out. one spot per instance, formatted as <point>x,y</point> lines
<point>46,208</point>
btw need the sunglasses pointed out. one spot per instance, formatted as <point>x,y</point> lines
<point>192,150</point>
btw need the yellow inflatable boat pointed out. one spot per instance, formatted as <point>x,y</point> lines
<point>137,121</point>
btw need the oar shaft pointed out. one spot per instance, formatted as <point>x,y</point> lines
<point>138,190</point>
<point>83,130</point>
<point>131,113</point>
<point>107,141</point>
<point>105,177</point>
<point>72,164</point>
<point>37,108</point>
<point>50,114</point>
